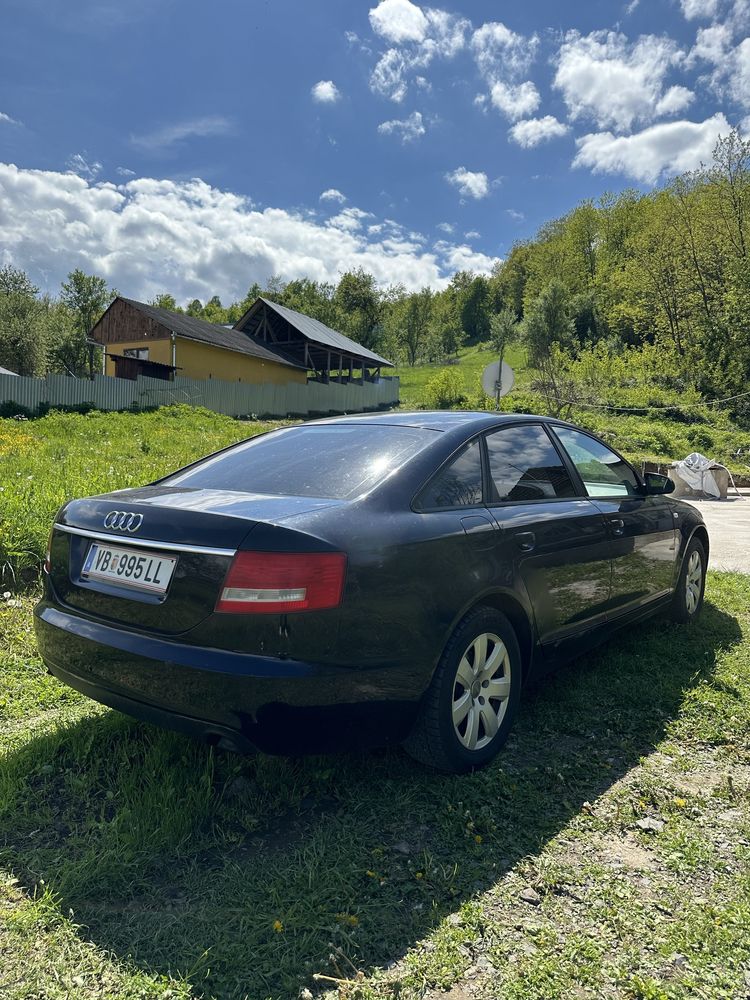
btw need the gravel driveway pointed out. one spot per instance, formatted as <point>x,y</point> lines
<point>728,523</point>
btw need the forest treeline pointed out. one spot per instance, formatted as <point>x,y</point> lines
<point>642,291</point>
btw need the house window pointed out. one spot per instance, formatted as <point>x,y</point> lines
<point>136,352</point>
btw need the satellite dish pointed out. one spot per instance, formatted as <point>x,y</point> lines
<point>496,383</point>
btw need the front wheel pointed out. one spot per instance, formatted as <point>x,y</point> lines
<point>469,708</point>
<point>688,597</point>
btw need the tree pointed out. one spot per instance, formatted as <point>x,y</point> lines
<point>446,334</point>
<point>87,296</point>
<point>412,317</point>
<point>214,311</point>
<point>504,331</point>
<point>165,301</point>
<point>357,305</point>
<point>14,281</point>
<point>311,298</point>
<point>67,350</point>
<point>471,294</point>
<point>22,324</point>
<point>548,331</point>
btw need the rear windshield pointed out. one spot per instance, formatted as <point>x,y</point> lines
<point>335,462</point>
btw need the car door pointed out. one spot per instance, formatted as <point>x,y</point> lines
<point>641,527</point>
<point>556,538</point>
<point>454,538</point>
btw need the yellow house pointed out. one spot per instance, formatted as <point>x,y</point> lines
<point>143,339</point>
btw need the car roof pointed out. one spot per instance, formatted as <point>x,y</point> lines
<point>437,420</point>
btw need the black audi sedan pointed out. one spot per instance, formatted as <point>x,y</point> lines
<point>363,580</point>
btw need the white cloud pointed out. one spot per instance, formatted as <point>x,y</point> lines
<point>417,37</point>
<point>674,100</point>
<point>125,172</point>
<point>531,131</point>
<point>604,77</point>
<point>388,78</point>
<point>445,227</point>
<point>469,183</point>
<point>515,100</point>
<point>699,8</point>
<point>515,214</point>
<point>349,219</point>
<point>7,120</point>
<point>712,44</point>
<point>739,80</point>
<point>668,148</point>
<point>464,258</point>
<point>498,50</point>
<point>503,58</point>
<point>333,194</point>
<point>147,235</point>
<point>325,92</point>
<point>472,235</point>
<point>408,129</point>
<point>398,21</point>
<point>78,164</point>
<point>164,138</point>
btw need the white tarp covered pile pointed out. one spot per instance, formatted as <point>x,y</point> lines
<point>697,472</point>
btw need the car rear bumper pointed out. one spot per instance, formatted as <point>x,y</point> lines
<point>240,700</point>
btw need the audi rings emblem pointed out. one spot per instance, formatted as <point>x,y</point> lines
<point>123,520</point>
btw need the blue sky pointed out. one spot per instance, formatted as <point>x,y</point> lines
<point>197,148</point>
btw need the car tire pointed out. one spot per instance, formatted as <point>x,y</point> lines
<point>468,710</point>
<point>691,584</point>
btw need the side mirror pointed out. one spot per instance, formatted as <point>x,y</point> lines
<point>657,485</point>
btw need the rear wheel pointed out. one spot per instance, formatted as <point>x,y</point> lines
<point>688,597</point>
<point>469,708</point>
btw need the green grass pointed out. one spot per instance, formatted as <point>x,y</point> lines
<point>470,362</point>
<point>145,864</point>
<point>47,461</point>
<point>135,863</point>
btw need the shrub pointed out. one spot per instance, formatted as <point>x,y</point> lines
<point>445,390</point>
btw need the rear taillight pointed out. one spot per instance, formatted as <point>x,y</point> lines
<point>273,582</point>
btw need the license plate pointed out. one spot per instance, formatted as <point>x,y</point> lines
<point>128,567</point>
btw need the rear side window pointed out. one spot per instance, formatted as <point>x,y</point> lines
<point>525,465</point>
<point>458,484</point>
<point>604,473</point>
<point>338,461</point>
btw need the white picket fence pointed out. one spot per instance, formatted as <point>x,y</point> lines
<point>236,399</point>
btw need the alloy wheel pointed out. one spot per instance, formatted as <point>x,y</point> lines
<point>693,581</point>
<point>480,691</point>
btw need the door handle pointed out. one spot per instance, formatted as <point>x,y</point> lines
<point>617,524</point>
<point>526,541</point>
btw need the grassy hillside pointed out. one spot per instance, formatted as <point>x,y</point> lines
<point>647,437</point>
<point>471,362</point>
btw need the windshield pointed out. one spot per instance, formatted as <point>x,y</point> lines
<point>339,461</point>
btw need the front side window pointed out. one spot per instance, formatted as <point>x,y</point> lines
<point>136,352</point>
<point>604,473</point>
<point>525,465</point>
<point>458,484</point>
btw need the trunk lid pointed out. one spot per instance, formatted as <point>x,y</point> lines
<point>199,528</point>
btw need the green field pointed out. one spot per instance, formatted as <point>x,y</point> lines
<point>606,853</point>
<point>470,362</point>
<point>641,437</point>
